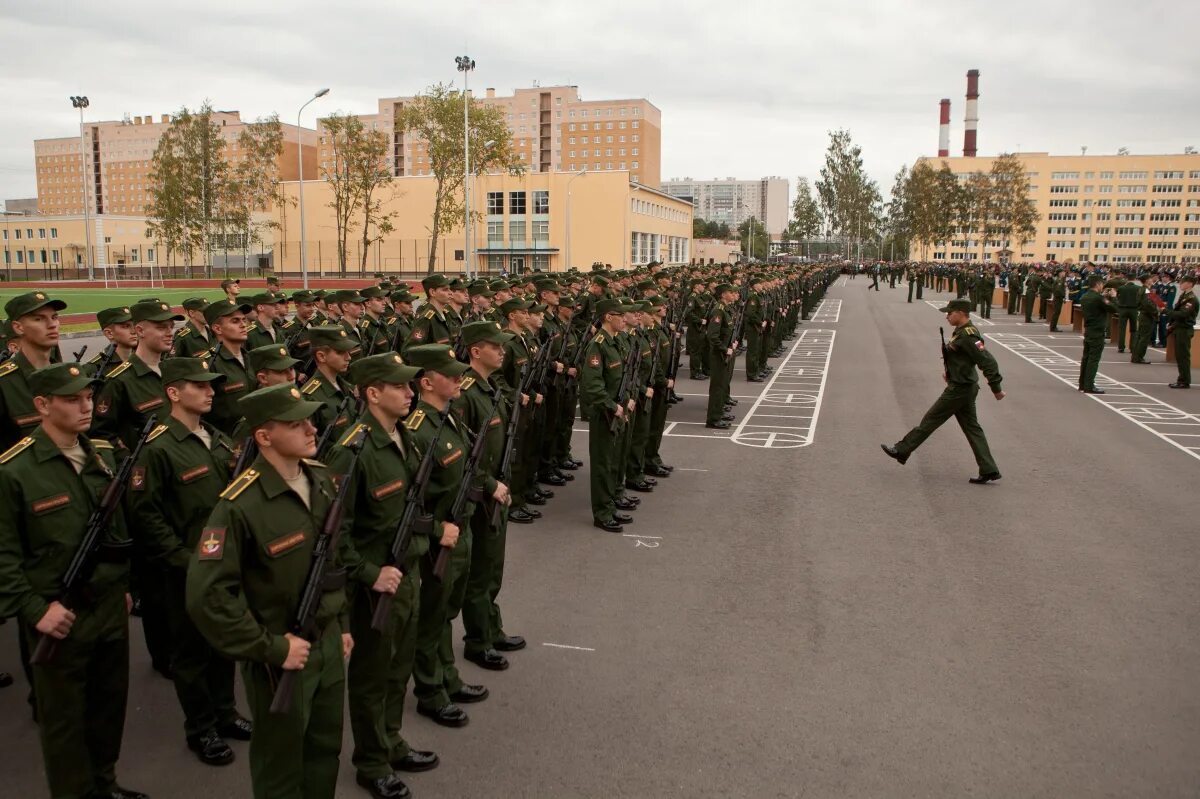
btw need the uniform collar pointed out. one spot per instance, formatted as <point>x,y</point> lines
<point>380,436</point>
<point>140,367</point>
<point>181,432</point>
<point>273,483</point>
<point>45,449</point>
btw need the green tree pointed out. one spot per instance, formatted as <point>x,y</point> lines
<point>946,206</point>
<point>806,213</point>
<point>920,202</point>
<point>256,188</point>
<point>357,159</point>
<point>756,242</point>
<point>436,117</point>
<point>849,200</point>
<point>1014,213</point>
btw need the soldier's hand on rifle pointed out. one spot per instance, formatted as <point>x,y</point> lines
<point>298,650</point>
<point>388,580</point>
<point>449,535</point>
<point>572,372</point>
<point>501,494</point>
<point>631,405</point>
<point>558,367</point>
<point>524,400</point>
<point>619,412</point>
<point>56,621</point>
<point>537,399</point>
<point>729,350</point>
<point>347,645</point>
<point>649,393</point>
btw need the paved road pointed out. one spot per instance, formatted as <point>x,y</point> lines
<point>811,619</point>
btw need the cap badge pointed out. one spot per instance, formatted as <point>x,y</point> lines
<point>396,358</point>
<point>282,351</point>
<point>165,307</point>
<point>39,296</point>
<point>73,371</point>
<point>295,392</point>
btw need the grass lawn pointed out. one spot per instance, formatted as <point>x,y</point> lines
<point>93,300</point>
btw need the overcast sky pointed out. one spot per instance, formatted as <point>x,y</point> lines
<point>746,89</point>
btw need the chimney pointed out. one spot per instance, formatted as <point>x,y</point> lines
<point>491,93</point>
<point>970,145</point>
<point>944,130</point>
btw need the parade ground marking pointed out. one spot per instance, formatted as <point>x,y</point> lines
<point>828,312</point>
<point>1178,428</point>
<point>568,646</point>
<point>978,321</point>
<point>785,415</point>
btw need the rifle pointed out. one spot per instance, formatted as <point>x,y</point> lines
<point>737,330</point>
<point>583,342</point>
<point>628,372</point>
<point>77,356</point>
<point>510,445</point>
<point>945,351</point>
<point>413,504</point>
<point>465,487</point>
<point>108,359</point>
<point>304,625</point>
<point>86,558</point>
<point>653,366</point>
<point>246,455</point>
<point>327,433</point>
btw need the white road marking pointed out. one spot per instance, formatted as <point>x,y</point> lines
<point>1145,411</point>
<point>686,469</point>
<point>828,312</point>
<point>797,386</point>
<point>635,535</point>
<point>568,646</point>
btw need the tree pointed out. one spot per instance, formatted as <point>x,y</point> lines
<point>900,212</point>
<point>946,205</point>
<point>756,242</point>
<point>974,214</point>
<point>436,117</point>
<point>256,187</point>
<point>1014,213</point>
<point>357,154</point>
<point>806,213</point>
<point>849,200</point>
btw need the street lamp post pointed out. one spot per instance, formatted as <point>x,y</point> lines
<point>81,102</point>
<point>569,182</point>
<point>465,65</point>
<point>300,186</point>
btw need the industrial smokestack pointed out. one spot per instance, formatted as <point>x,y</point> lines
<point>970,144</point>
<point>944,130</point>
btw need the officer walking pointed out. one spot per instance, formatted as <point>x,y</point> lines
<point>1095,305</point>
<point>1182,321</point>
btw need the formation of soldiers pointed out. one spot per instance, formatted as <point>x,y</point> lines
<point>315,496</point>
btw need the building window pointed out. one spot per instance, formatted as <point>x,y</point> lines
<point>495,232</point>
<point>516,232</point>
<point>149,255</point>
<point>541,231</point>
<point>541,202</point>
<point>635,166</point>
<point>495,203</point>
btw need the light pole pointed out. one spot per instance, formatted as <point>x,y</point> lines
<point>300,186</point>
<point>81,102</point>
<point>569,182</point>
<point>465,64</point>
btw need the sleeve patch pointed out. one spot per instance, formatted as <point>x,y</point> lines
<point>285,543</point>
<point>594,361</point>
<point>979,344</point>
<point>212,544</point>
<point>387,489</point>
<point>137,481</point>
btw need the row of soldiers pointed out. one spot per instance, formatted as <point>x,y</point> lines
<point>390,442</point>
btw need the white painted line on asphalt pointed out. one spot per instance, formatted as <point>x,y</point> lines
<point>828,312</point>
<point>568,646</point>
<point>635,535</point>
<point>801,378</point>
<point>686,469</point>
<point>1122,399</point>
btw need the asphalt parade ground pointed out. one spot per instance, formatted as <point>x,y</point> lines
<point>794,614</point>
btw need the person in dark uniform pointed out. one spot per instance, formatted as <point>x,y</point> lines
<point>332,349</point>
<point>194,337</point>
<point>117,326</point>
<point>1182,323</point>
<point>1095,305</point>
<point>227,320</point>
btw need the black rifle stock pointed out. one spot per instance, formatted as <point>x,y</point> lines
<point>83,563</point>
<point>628,374</point>
<point>327,434</point>
<point>945,351</point>
<point>304,625</point>
<point>77,356</point>
<point>459,508</point>
<point>510,447</point>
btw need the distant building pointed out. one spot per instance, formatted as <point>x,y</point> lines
<point>26,205</point>
<point>734,201</point>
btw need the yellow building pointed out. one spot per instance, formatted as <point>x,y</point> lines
<point>540,220</point>
<point>118,157</point>
<point>37,246</point>
<point>553,130</point>
<point>1098,208</point>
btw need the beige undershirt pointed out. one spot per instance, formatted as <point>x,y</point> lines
<point>204,436</point>
<point>76,455</point>
<point>395,436</point>
<point>302,487</point>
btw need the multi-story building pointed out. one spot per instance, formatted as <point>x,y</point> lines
<point>734,201</point>
<point>114,170</point>
<point>553,130</point>
<point>1098,208</point>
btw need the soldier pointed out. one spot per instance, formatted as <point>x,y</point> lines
<point>695,317</point>
<point>183,468</point>
<point>1128,300</point>
<point>264,330</point>
<point>663,340</point>
<point>1058,293</point>
<point>296,329</point>
<point>227,319</point>
<point>599,384</point>
<point>1095,307</point>
<point>438,687</point>
<point>1183,320</point>
<point>1166,291</point>
<point>194,337</point>
<point>373,329</point>
<point>402,303</point>
<point>50,482</point>
<point>34,320</point>
<point>379,672</point>
<point>117,326</point>
<point>431,325</point>
<point>332,349</point>
<point>756,323</point>
<point>1032,282</point>
<point>272,366</point>
<point>962,355</point>
<point>481,301</point>
<point>232,287</point>
<point>721,356</point>
<point>243,585</point>
<point>1147,320</point>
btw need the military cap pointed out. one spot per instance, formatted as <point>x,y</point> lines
<point>498,285</point>
<point>274,357</point>
<point>227,282</point>
<point>403,295</point>
<point>264,298</point>
<point>1115,283</point>
<point>515,304</point>
<point>220,308</point>
<point>646,284</point>
<point>1189,278</point>
<point>331,336</point>
<point>149,299</point>
<point>60,380</point>
<point>480,290</point>
<point>434,282</point>
<point>483,330</point>
<point>637,307</point>
<point>383,368</point>
<point>32,301</point>
<point>956,305</point>
<point>380,275</point>
<point>272,280</point>
<point>386,285</point>
<point>567,302</point>
<point>371,293</point>
<point>537,307</point>
<point>194,370</point>
<point>346,295</point>
<point>457,284</point>
<point>195,304</point>
<point>436,358</point>
<point>320,293</point>
<point>547,284</point>
<point>304,295</point>
<point>611,305</point>
<point>149,311</point>
<point>281,403</point>
<point>655,302</point>
<point>599,280</point>
<point>112,316</point>
<point>723,287</point>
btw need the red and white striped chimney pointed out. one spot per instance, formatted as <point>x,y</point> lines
<point>970,144</point>
<point>944,130</point>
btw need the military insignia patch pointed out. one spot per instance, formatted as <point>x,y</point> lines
<point>212,544</point>
<point>137,481</point>
<point>418,335</point>
<point>593,362</point>
<point>102,406</point>
<point>979,344</point>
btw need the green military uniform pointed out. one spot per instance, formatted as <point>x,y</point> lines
<point>1032,282</point>
<point>756,356</point>
<point>1182,323</point>
<point>191,340</point>
<point>46,497</point>
<point>173,489</point>
<point>696,317</point>
<point>18,417</point>
<point>1058,294</point>
<point>965,352</point>
<point>131,393</point>
<point>431,326</point>
<point>1128,295</point>
<point>599,384</point>
<point>243,585</point>
<point>1147,323</point>
<point>718,333</point>
<point>662,341</point>
<point>335,396</point>
<point>1095,309</point>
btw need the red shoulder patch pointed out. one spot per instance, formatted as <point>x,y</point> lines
<point>979,344</point>
<point>212,544</point>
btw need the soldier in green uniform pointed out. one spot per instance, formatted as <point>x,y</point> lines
<point>568,402</point>
<point>965,351</point>
<point>264,330</point>
<point>227,320</point>
<point>439,688</point>
<point>351,307</point>
<point>194,337</point>
<point>332,350</point>
<point>402,324</point>
<point>243,585</point>
<point>183,468</point>
<point>695,317</point>
<point>1147,320</point>
<point>599,385</point>
<point>378,674</point>
<point>117,326</point>
<point>1032,283</point>
<point>662,340</point>
<point>1127,312</point>
<point>50,482</point>
<point>1095,307</point>
<point>1182,321</point>
<point>722,354</point>
<point>373,329</point>
<point>33,317</point>
<point>296,328</point>
<point>431,325</point>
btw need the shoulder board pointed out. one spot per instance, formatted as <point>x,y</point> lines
<point>17,448</point>
<point>118,370</point>
<point>599,339</point>
<point>354,431</point>
<point>311,386</point>
<point>364,324</point>
<point>288,324</point>
<point>8,368</point>
<point>970,330</point>
<point>100,443</point>
<point>243,481</point>
<point>183,331</point>
<point>156,432</point>
<point>313,462</point>
<point>414,422</point>
<point>466,383</point>
<point>429,314</point>
<point>252,326</point>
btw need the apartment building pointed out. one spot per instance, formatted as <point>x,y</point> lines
<point>734,201</point>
